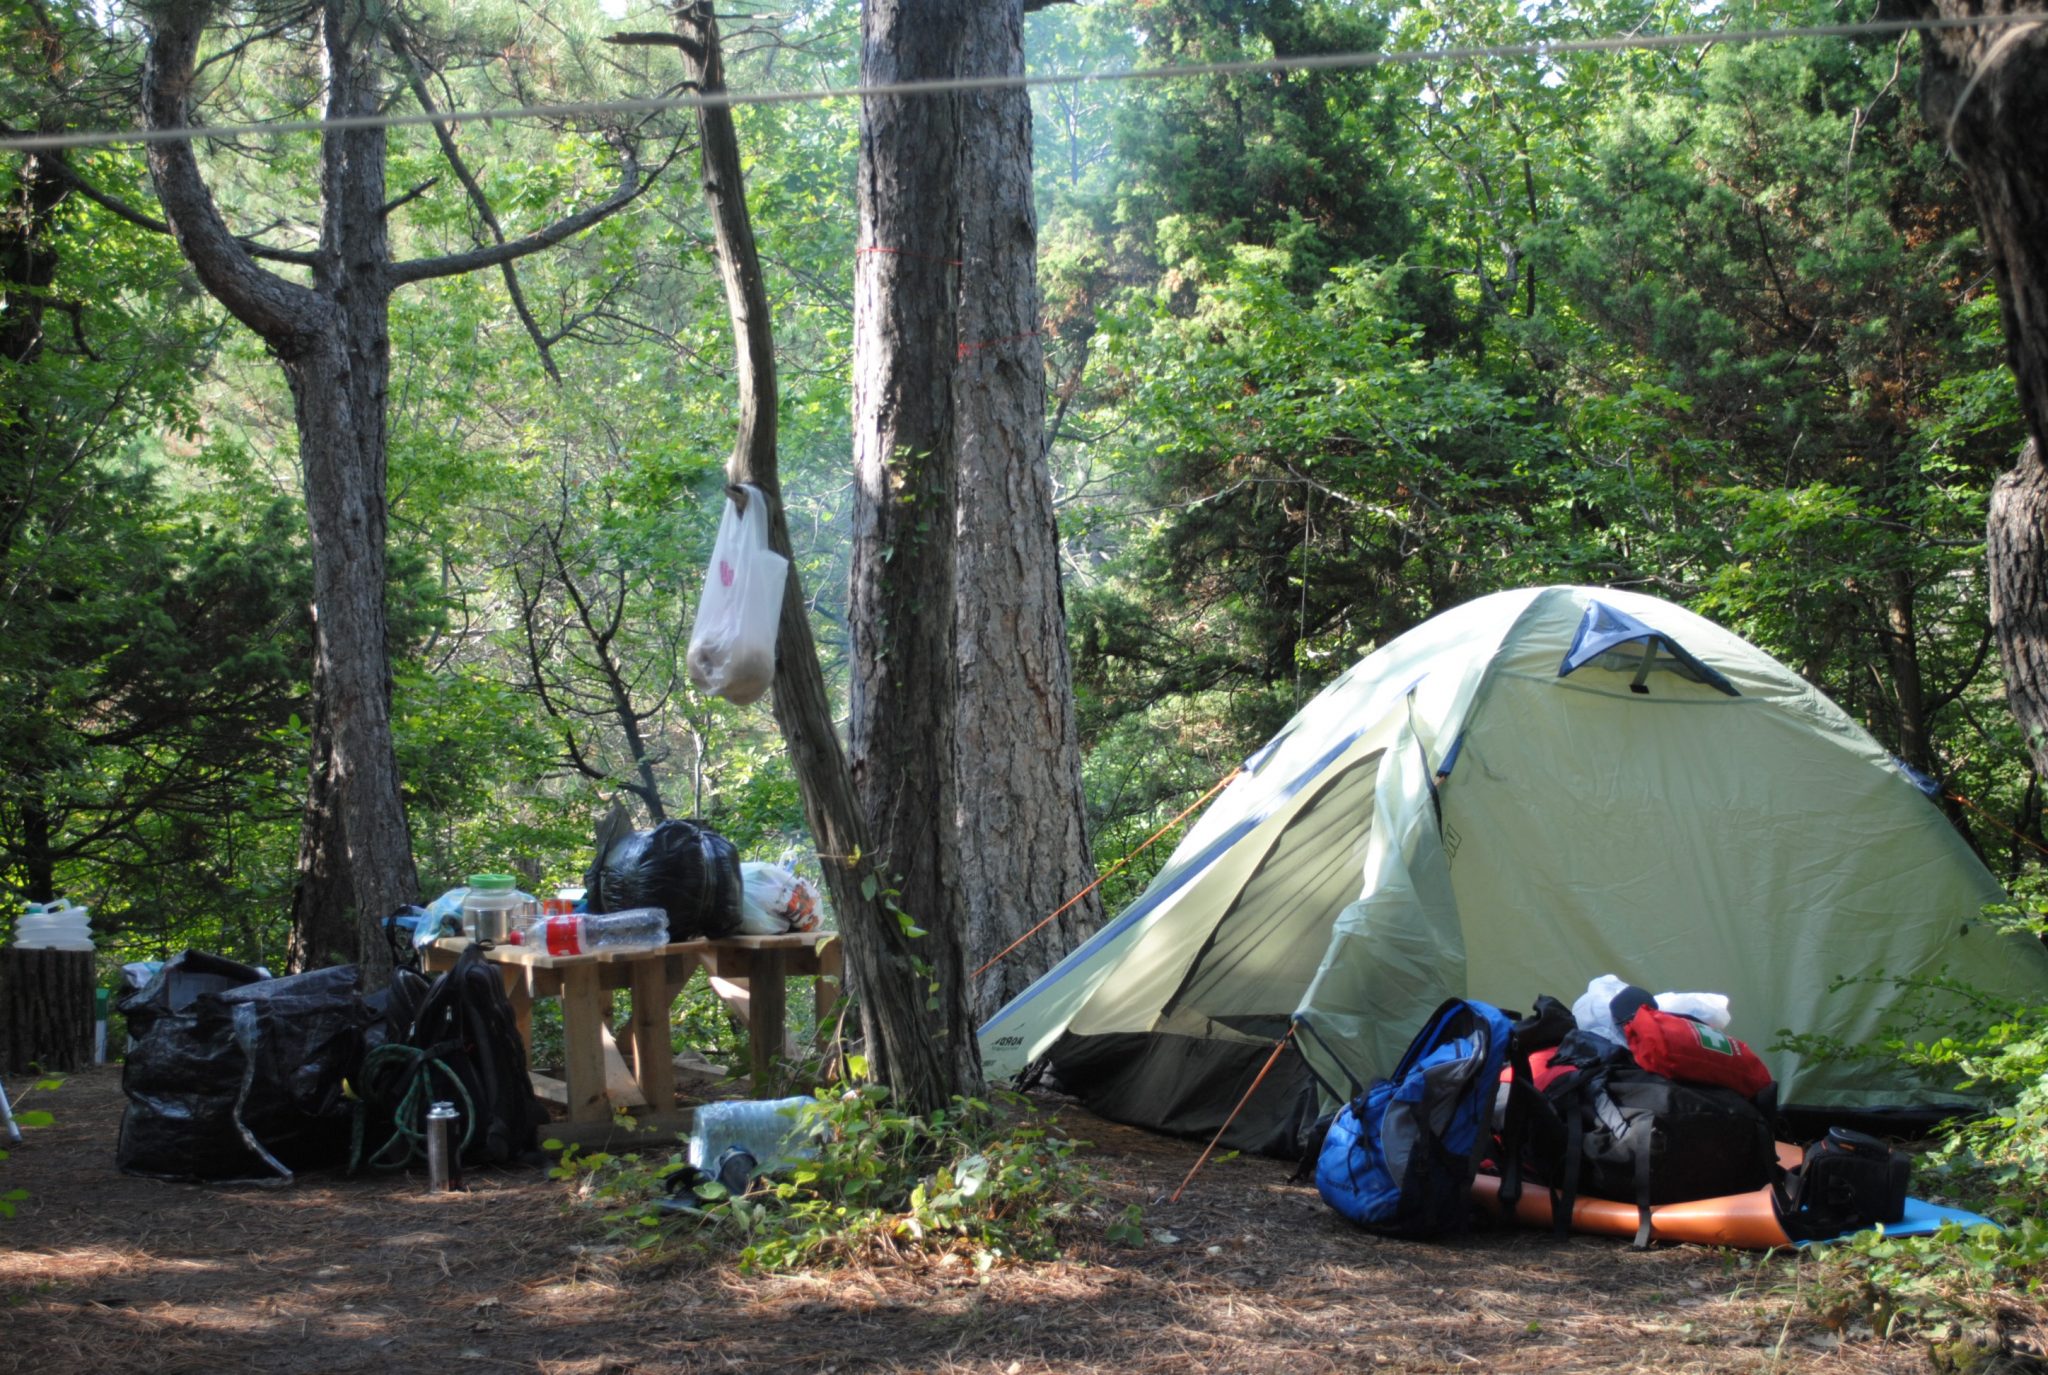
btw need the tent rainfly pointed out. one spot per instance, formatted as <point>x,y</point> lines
<point>1524,792</point>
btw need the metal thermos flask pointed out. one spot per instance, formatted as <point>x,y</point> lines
<point>444,1162</point>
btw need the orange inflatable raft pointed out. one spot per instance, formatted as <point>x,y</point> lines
<point>1745,1220</point>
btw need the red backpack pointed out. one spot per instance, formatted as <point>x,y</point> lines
<point>1680,1048</point>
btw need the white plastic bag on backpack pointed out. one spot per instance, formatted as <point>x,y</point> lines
<point>732,645</point>
<point>773,900</point>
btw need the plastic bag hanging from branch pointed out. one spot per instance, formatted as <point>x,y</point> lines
<point>732,644</point>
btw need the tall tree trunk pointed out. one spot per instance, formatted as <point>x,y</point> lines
<point>901,602</point>
<point>28,267</point>
<point>338,383</point>
<point>1016,764</point>
<point>1986,91</point>
<point>882,958</point>
<point>333,343</point>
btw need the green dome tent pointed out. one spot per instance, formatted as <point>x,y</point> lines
<point>1524,792</point>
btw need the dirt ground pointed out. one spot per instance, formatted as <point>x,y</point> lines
<point>1248,1274</point>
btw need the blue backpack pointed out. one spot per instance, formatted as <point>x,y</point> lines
<point>1401,1157</point>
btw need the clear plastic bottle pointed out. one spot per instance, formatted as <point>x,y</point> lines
<point>765,1128</point>
<point>637,929</point>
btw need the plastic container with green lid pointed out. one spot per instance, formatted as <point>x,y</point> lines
<point>494,908</point>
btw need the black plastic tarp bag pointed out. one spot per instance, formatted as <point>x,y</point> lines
<point>237,1077</point>
<point>688,870</point>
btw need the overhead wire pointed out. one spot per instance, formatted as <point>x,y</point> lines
<point>1307,62</point>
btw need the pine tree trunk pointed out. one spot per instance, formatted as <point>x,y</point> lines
<point>333,343</point>
<point>1986,91</point>
<point>45,1010</point>
<point>901,602</point>
<point>1022,850</point>
<point>2017,552</point>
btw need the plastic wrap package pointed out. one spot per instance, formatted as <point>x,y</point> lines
<point>776,901</point>
<point>688,870</point>
<point>238,1077</point>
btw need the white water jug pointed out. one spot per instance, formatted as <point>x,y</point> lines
<point>54,926</point>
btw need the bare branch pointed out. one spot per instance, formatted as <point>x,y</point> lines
<point>141,219</point>
<point>631,186</point>
<point>445,135</point>
<point>429,184</point>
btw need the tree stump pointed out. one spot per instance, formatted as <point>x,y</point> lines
<point>45,1010</point>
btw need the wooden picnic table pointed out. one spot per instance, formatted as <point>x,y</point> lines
<point>595,1076</point>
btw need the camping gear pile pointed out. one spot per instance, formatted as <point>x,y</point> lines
<point>237,1076</point>
<point>234,1075</point>
<point>1505,798</point>
<point>1626,1101</point>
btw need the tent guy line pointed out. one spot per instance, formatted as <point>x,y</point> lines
<point>1347,61</point>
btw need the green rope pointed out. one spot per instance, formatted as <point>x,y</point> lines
<point>410,1109</point>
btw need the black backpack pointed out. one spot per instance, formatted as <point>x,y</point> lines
<point>1848,1181</point>
<point>1611,1130</point>
<point>454,1042</point>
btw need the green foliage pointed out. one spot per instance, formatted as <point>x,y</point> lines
<point>984,1182</point>
<point>1950,1287</point>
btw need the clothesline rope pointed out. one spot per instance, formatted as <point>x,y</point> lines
<point>1347,61</point>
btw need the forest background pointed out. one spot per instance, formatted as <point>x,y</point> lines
<point>1328,351</point>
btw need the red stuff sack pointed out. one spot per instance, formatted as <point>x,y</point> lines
<point>1680,1048</point>
<point>1541,1070</point>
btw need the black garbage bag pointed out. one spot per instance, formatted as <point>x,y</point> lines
<point>683,867</point>
<point>236,1077</point>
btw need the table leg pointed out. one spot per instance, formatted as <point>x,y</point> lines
<point>653,1058</point>
<point>582,1045</point>
<point>767,1014</point>
<point>521,997</point>
<point>828,986</point>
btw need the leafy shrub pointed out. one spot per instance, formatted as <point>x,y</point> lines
<point>988,1182</point>
<point>1960,1287</point>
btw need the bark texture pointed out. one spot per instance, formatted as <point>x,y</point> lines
<point>45,1010</point>
<point>881,957</point>
<point>901,599</point>
<point>1986,91</point>
<point>965,748</point>
<point>1022,851</point>
<point>333,342</point>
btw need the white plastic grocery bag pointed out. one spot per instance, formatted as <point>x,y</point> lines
<point>732,645</point>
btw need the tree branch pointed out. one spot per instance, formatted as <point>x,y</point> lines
<point>275,308</point>
<point>631,186</point>
<point>445,135</point>
<point>142,219</point>
<point>396,201</point>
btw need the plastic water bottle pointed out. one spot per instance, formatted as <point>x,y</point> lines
<point>632,931</point>
<point>764,1128</point>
